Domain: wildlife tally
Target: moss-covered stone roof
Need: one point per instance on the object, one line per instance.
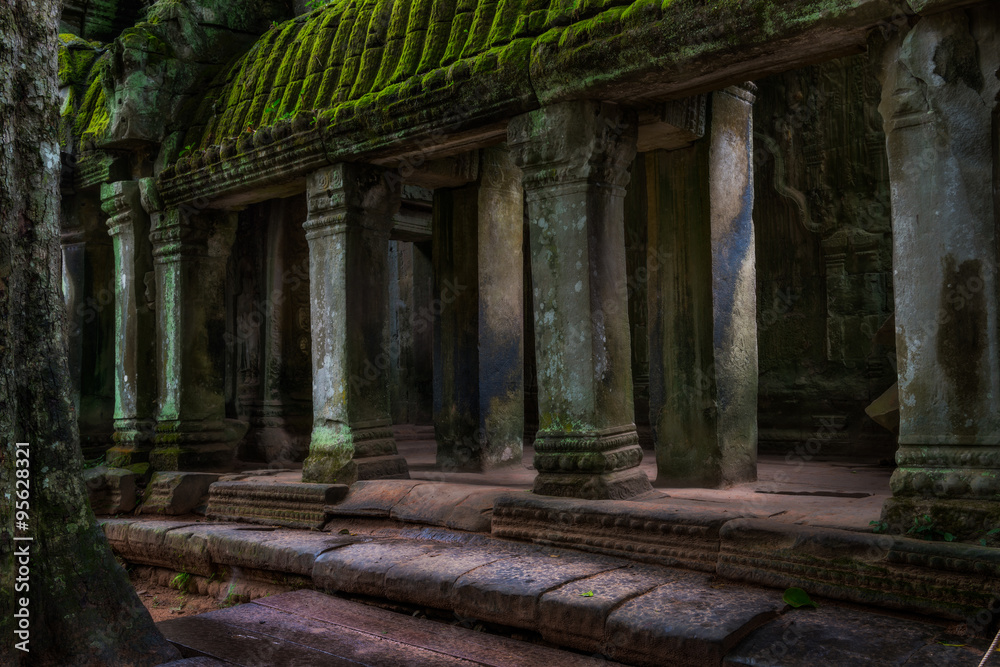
(367, 50)
(375, 72)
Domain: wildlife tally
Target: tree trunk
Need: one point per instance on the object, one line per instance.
(81, 608)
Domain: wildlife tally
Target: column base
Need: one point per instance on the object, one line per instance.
(595, 466)
(468, 457)
(619, 485)
(133, 442)
(195, 446)
(965, 519)
(340, 454)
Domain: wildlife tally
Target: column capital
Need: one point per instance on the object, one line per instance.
(350, 194)
(175, 236)
(580, 142)
(120, 200)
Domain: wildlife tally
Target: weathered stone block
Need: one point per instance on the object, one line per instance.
(937, 578)
(111, 490)
(429, 580)
(508, 591)
(273, 551)
(678, 534)
(575, 614)
(688, 622)
(273, 503)
(362, 568)
(840, 637)
(177, 492)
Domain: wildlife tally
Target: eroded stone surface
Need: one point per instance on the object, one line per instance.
(177, 492)
(273, 551)
(111, 490)
(689, 622)
(362, 568)
(575, 614)
(508, 591)
(843, 638)
(291, 505)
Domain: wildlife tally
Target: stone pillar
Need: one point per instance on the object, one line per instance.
(190, 253)
(939, 89)
(135, 324)
(575, 158)
(702, 302)
(478, 352)
(351, 210)
(88, 291)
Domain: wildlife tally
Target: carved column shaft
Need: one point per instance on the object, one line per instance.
(88, 291)
(478, 355)
(938, 92)
(575, 159)
(135, 324)
(351, 208)
(190, 252)
(702, 302)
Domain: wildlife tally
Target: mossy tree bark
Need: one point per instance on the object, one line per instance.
(82, 610)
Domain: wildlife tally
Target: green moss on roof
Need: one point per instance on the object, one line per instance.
(355, 51)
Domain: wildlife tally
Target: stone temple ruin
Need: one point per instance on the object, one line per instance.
(704, 229)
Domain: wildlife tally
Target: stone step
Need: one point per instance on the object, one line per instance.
(630, 612)
(310, 628)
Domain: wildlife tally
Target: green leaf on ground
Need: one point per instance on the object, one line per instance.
(588, 594)
(796, 597)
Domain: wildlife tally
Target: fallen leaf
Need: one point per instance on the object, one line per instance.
(796, 597)
(588, 594)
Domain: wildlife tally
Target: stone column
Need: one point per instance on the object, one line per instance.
(351, 209)
(575, 158)
(135, 324)
(478, 351)
(702, 302)
(88, 291)
(190, 251)
(939, 89)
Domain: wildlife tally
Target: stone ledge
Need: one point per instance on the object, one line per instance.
(937, 578)
(273, 503)
(675, 535)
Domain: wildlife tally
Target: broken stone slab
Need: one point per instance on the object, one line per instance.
(273, 503)
(688, 622)
(838, 637)
(361, 568)
(507, 591)
(177, 492)
(111, 490)
(574, 615)
(680, 533)
(374, 498)
(945, 579)
(461, 506)
(272, 550)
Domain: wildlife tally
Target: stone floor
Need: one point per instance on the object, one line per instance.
(830, 494)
